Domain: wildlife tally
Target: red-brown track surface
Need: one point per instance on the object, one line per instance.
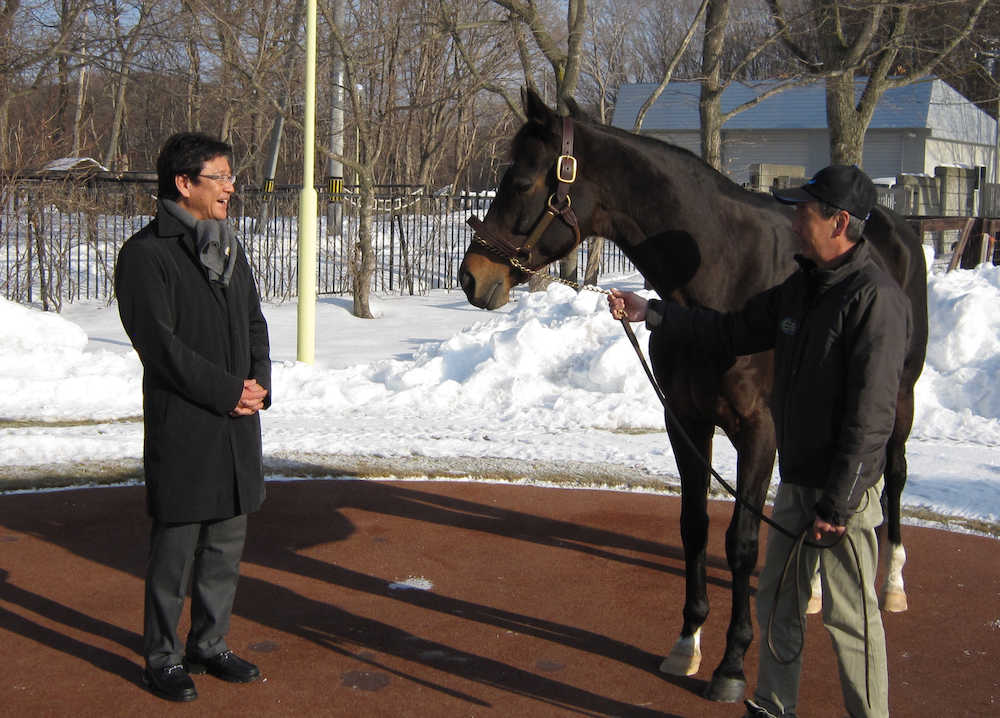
(542, 602)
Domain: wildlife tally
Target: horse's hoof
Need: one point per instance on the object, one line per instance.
(680, 663)
(685, 657)
(815, 604)
(894, 602)
(726, 689)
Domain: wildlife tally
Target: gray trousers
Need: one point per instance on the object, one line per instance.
(846, 597)
(207, 555)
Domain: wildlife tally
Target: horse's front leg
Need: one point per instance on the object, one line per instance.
(684, 658)
(755, 462)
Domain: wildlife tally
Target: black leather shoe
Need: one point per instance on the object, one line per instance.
(226, 665)
(170, 682)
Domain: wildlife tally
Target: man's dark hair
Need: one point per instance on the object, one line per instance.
(855, 226)
(185, 153)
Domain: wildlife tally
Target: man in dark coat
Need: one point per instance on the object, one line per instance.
(840, 329)
(189, 304)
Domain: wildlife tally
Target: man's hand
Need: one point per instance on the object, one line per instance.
(251, 400)
(822, 529)
(627, 305)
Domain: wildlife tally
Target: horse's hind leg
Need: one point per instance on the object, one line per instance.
(893, 592)
(684, 658)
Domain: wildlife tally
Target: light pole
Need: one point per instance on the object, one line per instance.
(306, 335)
(335, 168)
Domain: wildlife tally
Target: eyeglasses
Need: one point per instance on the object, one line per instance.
(225, 179)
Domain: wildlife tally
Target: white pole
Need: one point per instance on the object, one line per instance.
(996, 146)
(307, 204)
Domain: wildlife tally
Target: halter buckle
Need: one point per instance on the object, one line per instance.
(566, 169)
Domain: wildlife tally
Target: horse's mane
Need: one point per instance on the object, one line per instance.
(645, 146)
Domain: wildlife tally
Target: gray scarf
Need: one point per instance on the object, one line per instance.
(213, 238)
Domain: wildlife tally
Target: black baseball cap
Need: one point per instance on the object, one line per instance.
(843, 186)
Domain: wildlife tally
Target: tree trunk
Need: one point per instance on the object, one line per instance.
(710, 101)
(62, 103)
(194, 70)
(569, 267)
(111, 156)
(78, 114)
(539, 282)
(363, 256)
(593, 270)
(5, 139)
(847, 126)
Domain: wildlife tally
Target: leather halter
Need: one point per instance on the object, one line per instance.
(558, 205)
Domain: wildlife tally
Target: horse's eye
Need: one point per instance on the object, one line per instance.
(521, 184)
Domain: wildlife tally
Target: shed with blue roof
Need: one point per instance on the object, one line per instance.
(915, 128)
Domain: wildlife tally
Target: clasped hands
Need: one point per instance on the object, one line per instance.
(251, 400)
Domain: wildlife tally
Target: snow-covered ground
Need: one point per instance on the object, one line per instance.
(550, 378)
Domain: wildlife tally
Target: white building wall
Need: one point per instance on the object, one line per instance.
(742, 149)
(946, 153)
(888, 153)
(953, 117)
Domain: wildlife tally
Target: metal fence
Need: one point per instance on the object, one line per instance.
(59, 238)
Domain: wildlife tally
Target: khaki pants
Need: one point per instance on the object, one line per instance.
(843, 609)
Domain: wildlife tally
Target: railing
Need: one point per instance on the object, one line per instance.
(59, 238)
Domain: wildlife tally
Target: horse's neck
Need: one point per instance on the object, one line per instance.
(687, 229)
(705, 248)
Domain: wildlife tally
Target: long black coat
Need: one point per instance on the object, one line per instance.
(197, 341)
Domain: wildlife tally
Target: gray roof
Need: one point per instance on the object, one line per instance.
(67, 164)
(930, 104)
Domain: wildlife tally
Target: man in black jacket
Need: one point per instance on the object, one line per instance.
(840, 327)
(189, 304)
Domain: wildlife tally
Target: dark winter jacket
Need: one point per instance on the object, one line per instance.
(197, 341)
(840, 336)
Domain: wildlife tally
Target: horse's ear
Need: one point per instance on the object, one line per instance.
(535, 108)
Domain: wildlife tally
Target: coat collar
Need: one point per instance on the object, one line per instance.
(169, 226)
(850, 262)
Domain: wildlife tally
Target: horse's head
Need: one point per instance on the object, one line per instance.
(538, 213)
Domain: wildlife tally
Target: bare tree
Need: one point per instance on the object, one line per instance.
(630, 42)
(370, 47)
(865, 43)
(727, 52)
(973, 68)
(127, 41)
(192, 48)
(564, 61)
(29, 62)
(668, 72)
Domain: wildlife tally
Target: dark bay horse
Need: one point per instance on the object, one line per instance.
(698, 239)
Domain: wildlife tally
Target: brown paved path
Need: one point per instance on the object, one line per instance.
(545, 602)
